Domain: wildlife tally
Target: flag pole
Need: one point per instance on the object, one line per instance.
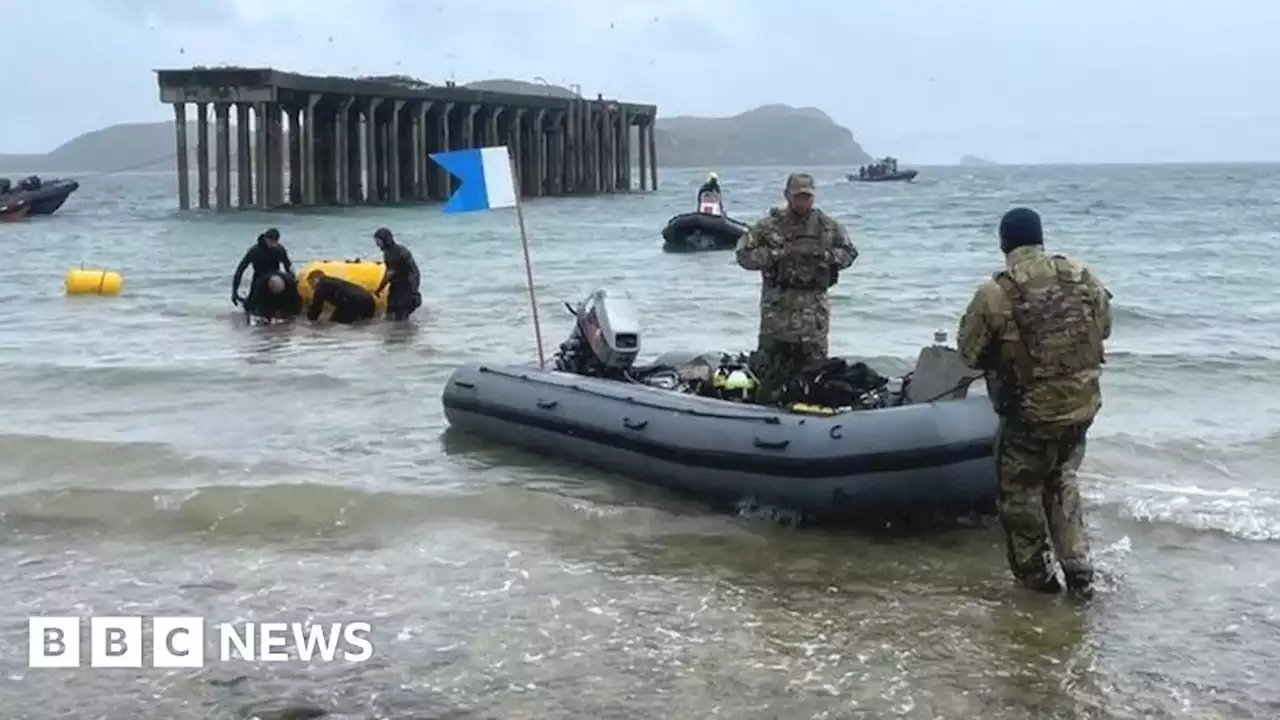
(528, 264)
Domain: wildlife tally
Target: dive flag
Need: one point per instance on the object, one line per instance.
(486, 178)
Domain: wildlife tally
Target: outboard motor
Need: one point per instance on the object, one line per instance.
(605, 340)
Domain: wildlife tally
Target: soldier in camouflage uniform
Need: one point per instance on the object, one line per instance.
(1037, 330)
(799, 252)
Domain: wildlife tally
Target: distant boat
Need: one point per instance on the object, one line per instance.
(900, 176)
(43, 197)
(709, 228)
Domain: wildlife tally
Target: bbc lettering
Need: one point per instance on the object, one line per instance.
(179, 642)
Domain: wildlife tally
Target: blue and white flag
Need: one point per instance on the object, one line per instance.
(486, 178)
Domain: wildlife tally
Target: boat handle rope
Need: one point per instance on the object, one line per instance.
(767, 419)
(966, 382)
(548, 404)
(772, 444)
(630, 424)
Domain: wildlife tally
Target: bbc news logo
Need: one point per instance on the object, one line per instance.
(179, 642)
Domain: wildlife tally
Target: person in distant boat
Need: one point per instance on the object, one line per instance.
(267, 256)
(799, 252)
(279, 298)
(1036, 329)
(351, 303)
(401, 279)
(711, 184)
(710, 199)
(5, 186)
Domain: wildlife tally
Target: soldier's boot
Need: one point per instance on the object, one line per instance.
(1080, 584)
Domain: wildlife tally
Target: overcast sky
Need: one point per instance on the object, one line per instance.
(925, 80)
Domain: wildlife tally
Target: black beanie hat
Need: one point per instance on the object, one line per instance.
(1020, 227)
(271, 234)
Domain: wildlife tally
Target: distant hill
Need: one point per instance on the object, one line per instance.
(974, 161)
(768, 135)
(107, 150)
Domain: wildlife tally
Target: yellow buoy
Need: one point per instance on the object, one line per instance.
(87, 281)
(365, 273)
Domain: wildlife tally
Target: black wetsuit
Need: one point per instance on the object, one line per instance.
(283, 305)
(403, 297)
(265, 260)
(711, 186)
(351, 303)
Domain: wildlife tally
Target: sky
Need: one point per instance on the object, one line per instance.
(1015, 81)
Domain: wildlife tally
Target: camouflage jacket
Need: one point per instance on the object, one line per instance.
(990, 340)
(811, 251)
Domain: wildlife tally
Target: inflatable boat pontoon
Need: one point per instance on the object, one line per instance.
(919, 456)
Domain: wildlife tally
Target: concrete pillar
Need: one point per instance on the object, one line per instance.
(244, 158)
(642, 138)
(321, 167)
(431, 139)
(491, 126)
(260, 154)
(355, 154)
(653, 155)
(555, 153)
(538, 170)
(597, 149)
(381, 187)
(417, 149)
(276, 152)
(579, 148)
(222, 156)
(517, 149)
(393, 150)
(310, 191)
(571, 163)
(294, 192)
(624, 136)
(470, 138)
(371, 151)
(180, 141)
(202, 155)
(425, 143)
(592, 143)
(609, 168)
(341, 152)
(446, 180)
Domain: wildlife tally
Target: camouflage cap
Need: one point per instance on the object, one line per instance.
(801, 184)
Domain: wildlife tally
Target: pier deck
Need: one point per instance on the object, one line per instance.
(366, 141)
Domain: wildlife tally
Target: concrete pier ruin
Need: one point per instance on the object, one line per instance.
(367, 141)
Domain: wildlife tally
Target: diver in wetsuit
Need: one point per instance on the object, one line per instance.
(403, 296)
(278, 298)
(351, 303)
(267, 256)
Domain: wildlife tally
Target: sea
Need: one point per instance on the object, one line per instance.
(158, 457)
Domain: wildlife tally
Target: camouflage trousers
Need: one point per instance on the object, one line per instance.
(1040, 499)
(778, 362)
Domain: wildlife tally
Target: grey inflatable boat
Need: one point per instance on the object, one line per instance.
(925, 456)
